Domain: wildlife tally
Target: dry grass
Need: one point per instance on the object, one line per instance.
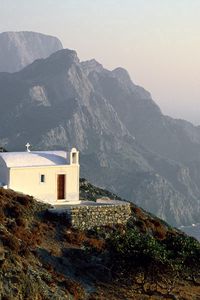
(138, 212)
(74, 237)
(96, 244)
(21, 231)
(80, 238)
(23, 228)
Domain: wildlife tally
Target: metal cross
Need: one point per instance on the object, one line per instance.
(27, 147)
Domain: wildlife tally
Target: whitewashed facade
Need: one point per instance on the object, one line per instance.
(49, 176)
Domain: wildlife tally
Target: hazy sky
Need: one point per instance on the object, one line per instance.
(157, 41)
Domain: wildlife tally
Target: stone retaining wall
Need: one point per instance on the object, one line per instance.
(86, 217)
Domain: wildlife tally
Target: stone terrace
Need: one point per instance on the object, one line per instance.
(88, 214)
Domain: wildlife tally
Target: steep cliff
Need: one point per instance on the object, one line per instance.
(19, 49)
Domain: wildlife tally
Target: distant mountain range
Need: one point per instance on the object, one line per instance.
(127, 145)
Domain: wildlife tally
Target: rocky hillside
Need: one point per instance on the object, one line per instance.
(61, 101)
(19, 49)
(41, 257)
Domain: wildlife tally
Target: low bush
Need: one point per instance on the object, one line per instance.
(184, 249)
(135, 246)
(24, 200)
(74, 288)
(96, 244)
(75, 237)
(10, 242)
(173, 250)
(138, 212)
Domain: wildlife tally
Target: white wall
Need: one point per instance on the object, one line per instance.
(4, 172)
(27, 181)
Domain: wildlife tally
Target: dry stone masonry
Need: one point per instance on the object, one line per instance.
(89, 216)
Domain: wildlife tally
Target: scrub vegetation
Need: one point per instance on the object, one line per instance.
(41, 257)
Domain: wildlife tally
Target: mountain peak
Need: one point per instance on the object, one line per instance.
(19, 49)
(56, 63)
(122, 74)
(92, 66)
(65, 55)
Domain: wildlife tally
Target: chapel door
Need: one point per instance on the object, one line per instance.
(61, 186)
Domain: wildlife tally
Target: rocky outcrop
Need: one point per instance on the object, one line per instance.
(19, 49)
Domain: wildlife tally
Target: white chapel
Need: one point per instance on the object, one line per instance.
(49, 176)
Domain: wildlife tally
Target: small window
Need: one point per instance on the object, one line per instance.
(42, 178)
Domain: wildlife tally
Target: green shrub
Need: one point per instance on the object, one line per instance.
(184, 249)
(178, 252)
(134, 246)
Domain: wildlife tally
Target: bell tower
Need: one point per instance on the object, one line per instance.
(74, 157)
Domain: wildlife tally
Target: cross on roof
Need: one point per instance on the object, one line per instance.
(27, 147)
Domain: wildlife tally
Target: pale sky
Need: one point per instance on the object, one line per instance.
(157, 41)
